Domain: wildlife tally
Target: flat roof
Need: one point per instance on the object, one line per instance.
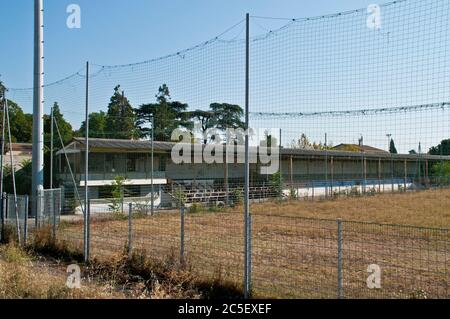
(141, 146)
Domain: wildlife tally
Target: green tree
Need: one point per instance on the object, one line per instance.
(206, 121)
(21, 123)
(64, 128)
(441, 173)
(23, 178)
(442, 149)
(228, 116)
(304, 143)
(2, 90)
(120, 118)
(117, 193)
(97, 126)
(167, 115)
(392, 148)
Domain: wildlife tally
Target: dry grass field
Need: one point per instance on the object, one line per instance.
(23, 275)
(295, 244)
(429, 208)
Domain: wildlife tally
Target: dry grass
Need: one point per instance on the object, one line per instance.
(295, 255)
(426, 209)
(24, 276)
(39, 272)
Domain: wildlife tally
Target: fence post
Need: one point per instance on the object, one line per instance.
(130, 229)
(25, 222)
(182, 233)
(121, 199)
(87, 237)
(54, 215)
(3, 216)
(249, 258)
(340, 259)
(36, 200)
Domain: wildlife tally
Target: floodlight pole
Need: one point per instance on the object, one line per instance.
(247, 231)
(38, 106)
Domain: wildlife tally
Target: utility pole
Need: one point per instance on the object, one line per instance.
(38, 107)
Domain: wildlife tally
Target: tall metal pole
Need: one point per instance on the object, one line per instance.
(152, 211)
(247, 165)
(326, 165)
(51, 148)
(281, 166)
(2, 197)
(38, 106)
(3, 145)
(13, 171)
(86, 171)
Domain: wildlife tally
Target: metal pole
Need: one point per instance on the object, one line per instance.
(87, 248)
(130, 229)
(406, 176)
(152, 168)
(51, 148)
(1, 166)
(3, 144)
(38, 105)
(182, 216)
(25, 221)
(250, 227)
(247, 165)
(340, 261)
(281, 169)
(13, 171)
(326, 167)
(86, 170)
(331, 175)
(3, 216)
(54, 216)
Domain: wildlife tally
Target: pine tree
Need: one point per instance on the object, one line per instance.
(120, 118)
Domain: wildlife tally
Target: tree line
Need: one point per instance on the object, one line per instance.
(122, 121)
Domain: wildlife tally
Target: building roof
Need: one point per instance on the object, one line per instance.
(358, 148)
(145, 146)
(125, 144)
(19, 147)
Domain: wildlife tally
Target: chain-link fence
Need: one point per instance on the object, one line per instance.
(17, 220)
(14, 217)
(357, 104)
(291, 256)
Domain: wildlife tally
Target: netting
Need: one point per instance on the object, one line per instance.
(357, 102)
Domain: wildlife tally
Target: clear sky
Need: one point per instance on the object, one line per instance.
(118, 32)
(319, 65)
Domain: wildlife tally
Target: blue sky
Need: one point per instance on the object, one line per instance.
(314, 66)
(144, 29)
